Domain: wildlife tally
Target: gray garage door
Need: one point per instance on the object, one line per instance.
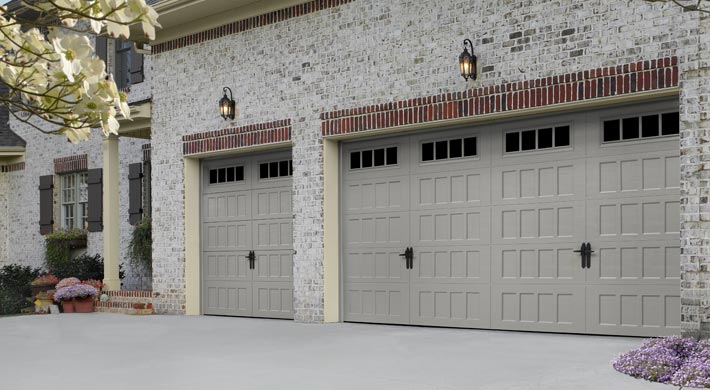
(494, 214)
(246, 210)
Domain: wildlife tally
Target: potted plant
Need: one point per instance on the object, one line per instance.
(68, 302)
(46, 298)
(81, 297)
(97, 284)
(43, 283)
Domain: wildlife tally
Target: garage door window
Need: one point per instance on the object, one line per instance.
(226, 175)
(373, 158)
(449, 149)
(537, 139)
(640, 127)
(274, 169)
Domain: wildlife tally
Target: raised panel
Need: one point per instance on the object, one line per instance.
(469, 264)
(456, 226)
(540, 182)
(553, 222)
(635, 262)
(639, 218)
(538, 264)
(374, 265)
(457, 305)
(538, 307)
(377, 302)
(654, 173)
(385, 229)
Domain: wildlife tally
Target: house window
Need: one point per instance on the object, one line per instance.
(274, 169)
(537, 139)
(449, 149)
(379, 157)
(635, 127)
(226, 175)
(74, 200)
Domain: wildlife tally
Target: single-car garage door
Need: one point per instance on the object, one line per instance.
(563, 224)
(247, 236)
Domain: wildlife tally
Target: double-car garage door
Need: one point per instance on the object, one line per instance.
(478, 227)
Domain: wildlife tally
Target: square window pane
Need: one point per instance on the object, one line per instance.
(528, 140)
(354, 160)
(274, 169)
(649, 126)
(630, 128)
(544, 138)
(379, 157)
(428, 151)
(562, 137)
(366, 158)
(455, 148)
(470, 147)
(290, 167)
(670, 123)
(213, 176)
(391, 156)
(442, 150)
(264, 171)
(222, 174)
(230, 174)
(283, 168)
(238, 173)
(612, 130)
(512, 142)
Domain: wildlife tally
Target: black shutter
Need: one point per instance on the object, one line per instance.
(136, 66)
(46, 204)
(102, 50)
(95, 219)
(135, 193)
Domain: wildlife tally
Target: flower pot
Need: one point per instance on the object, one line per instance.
(84, 305)
(68, 306)
(41, 288)
(77, 243)
(47, 302)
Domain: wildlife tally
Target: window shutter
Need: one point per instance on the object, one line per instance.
(46, 204)
(135, 193)
(96, 200)
(136, 66)
(102, 50)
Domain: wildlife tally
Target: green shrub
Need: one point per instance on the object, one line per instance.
(140, 248)
(83, 267)
(15, 287)
(58, 248)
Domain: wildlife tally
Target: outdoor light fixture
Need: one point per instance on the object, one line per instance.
(227, 105)
(467, 62)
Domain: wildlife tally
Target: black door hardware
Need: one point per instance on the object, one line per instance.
(409, 257)
(252, 259)
(586, 251)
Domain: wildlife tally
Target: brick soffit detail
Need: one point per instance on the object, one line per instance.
(580, 86)
(248, 24)
(71, 164)
(237, 137)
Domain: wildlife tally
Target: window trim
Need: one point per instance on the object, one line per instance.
(640, 139)
(537, 128)
(79, 212)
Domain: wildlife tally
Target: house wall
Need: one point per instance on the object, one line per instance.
(370, 52)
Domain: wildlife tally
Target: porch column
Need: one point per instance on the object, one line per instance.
(110, 217)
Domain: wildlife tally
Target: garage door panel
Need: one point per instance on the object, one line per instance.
(644, 218)
(451, 304)
(537, 223)
(226, 206)
(651, 310)
(373, 265)
(377, 230)
(377, 302)
(634, 175)
(541, 182)
(273, 266)
(273, 299)
(636, 262)
(455, 265)
(537, 264)
(272, 234)
(227, 298)
(272, 203)
(454, 226)
(545, 308)
(454, 188)
(225, 266)
(226, 236)
(388, 194)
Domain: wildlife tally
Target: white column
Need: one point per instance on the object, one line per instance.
(110, 217)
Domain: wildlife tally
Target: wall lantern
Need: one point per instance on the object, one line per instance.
(227, 105)
(467, 62)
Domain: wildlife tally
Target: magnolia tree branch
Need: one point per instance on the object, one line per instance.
(56, 83)
(702, 6)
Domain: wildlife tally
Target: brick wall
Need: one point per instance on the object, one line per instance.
(369, 53)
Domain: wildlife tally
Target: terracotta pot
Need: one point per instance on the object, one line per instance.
(41, 288)
(68, 306)
(84, 305)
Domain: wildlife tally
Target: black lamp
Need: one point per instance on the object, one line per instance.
(467, 61)
(227, 105)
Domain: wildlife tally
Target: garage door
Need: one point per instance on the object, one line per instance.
(484, 227)
(247, 236)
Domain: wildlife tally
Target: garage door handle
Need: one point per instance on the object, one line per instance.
(251, 256)
(583, 251)
(589, 255)
(408, 256)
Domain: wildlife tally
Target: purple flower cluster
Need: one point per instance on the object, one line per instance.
(75, 291)
(673, 360)
(66, 282)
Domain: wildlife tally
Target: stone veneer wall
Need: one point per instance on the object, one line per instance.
(362, 53)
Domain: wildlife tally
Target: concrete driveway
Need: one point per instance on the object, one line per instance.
(108, 351)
